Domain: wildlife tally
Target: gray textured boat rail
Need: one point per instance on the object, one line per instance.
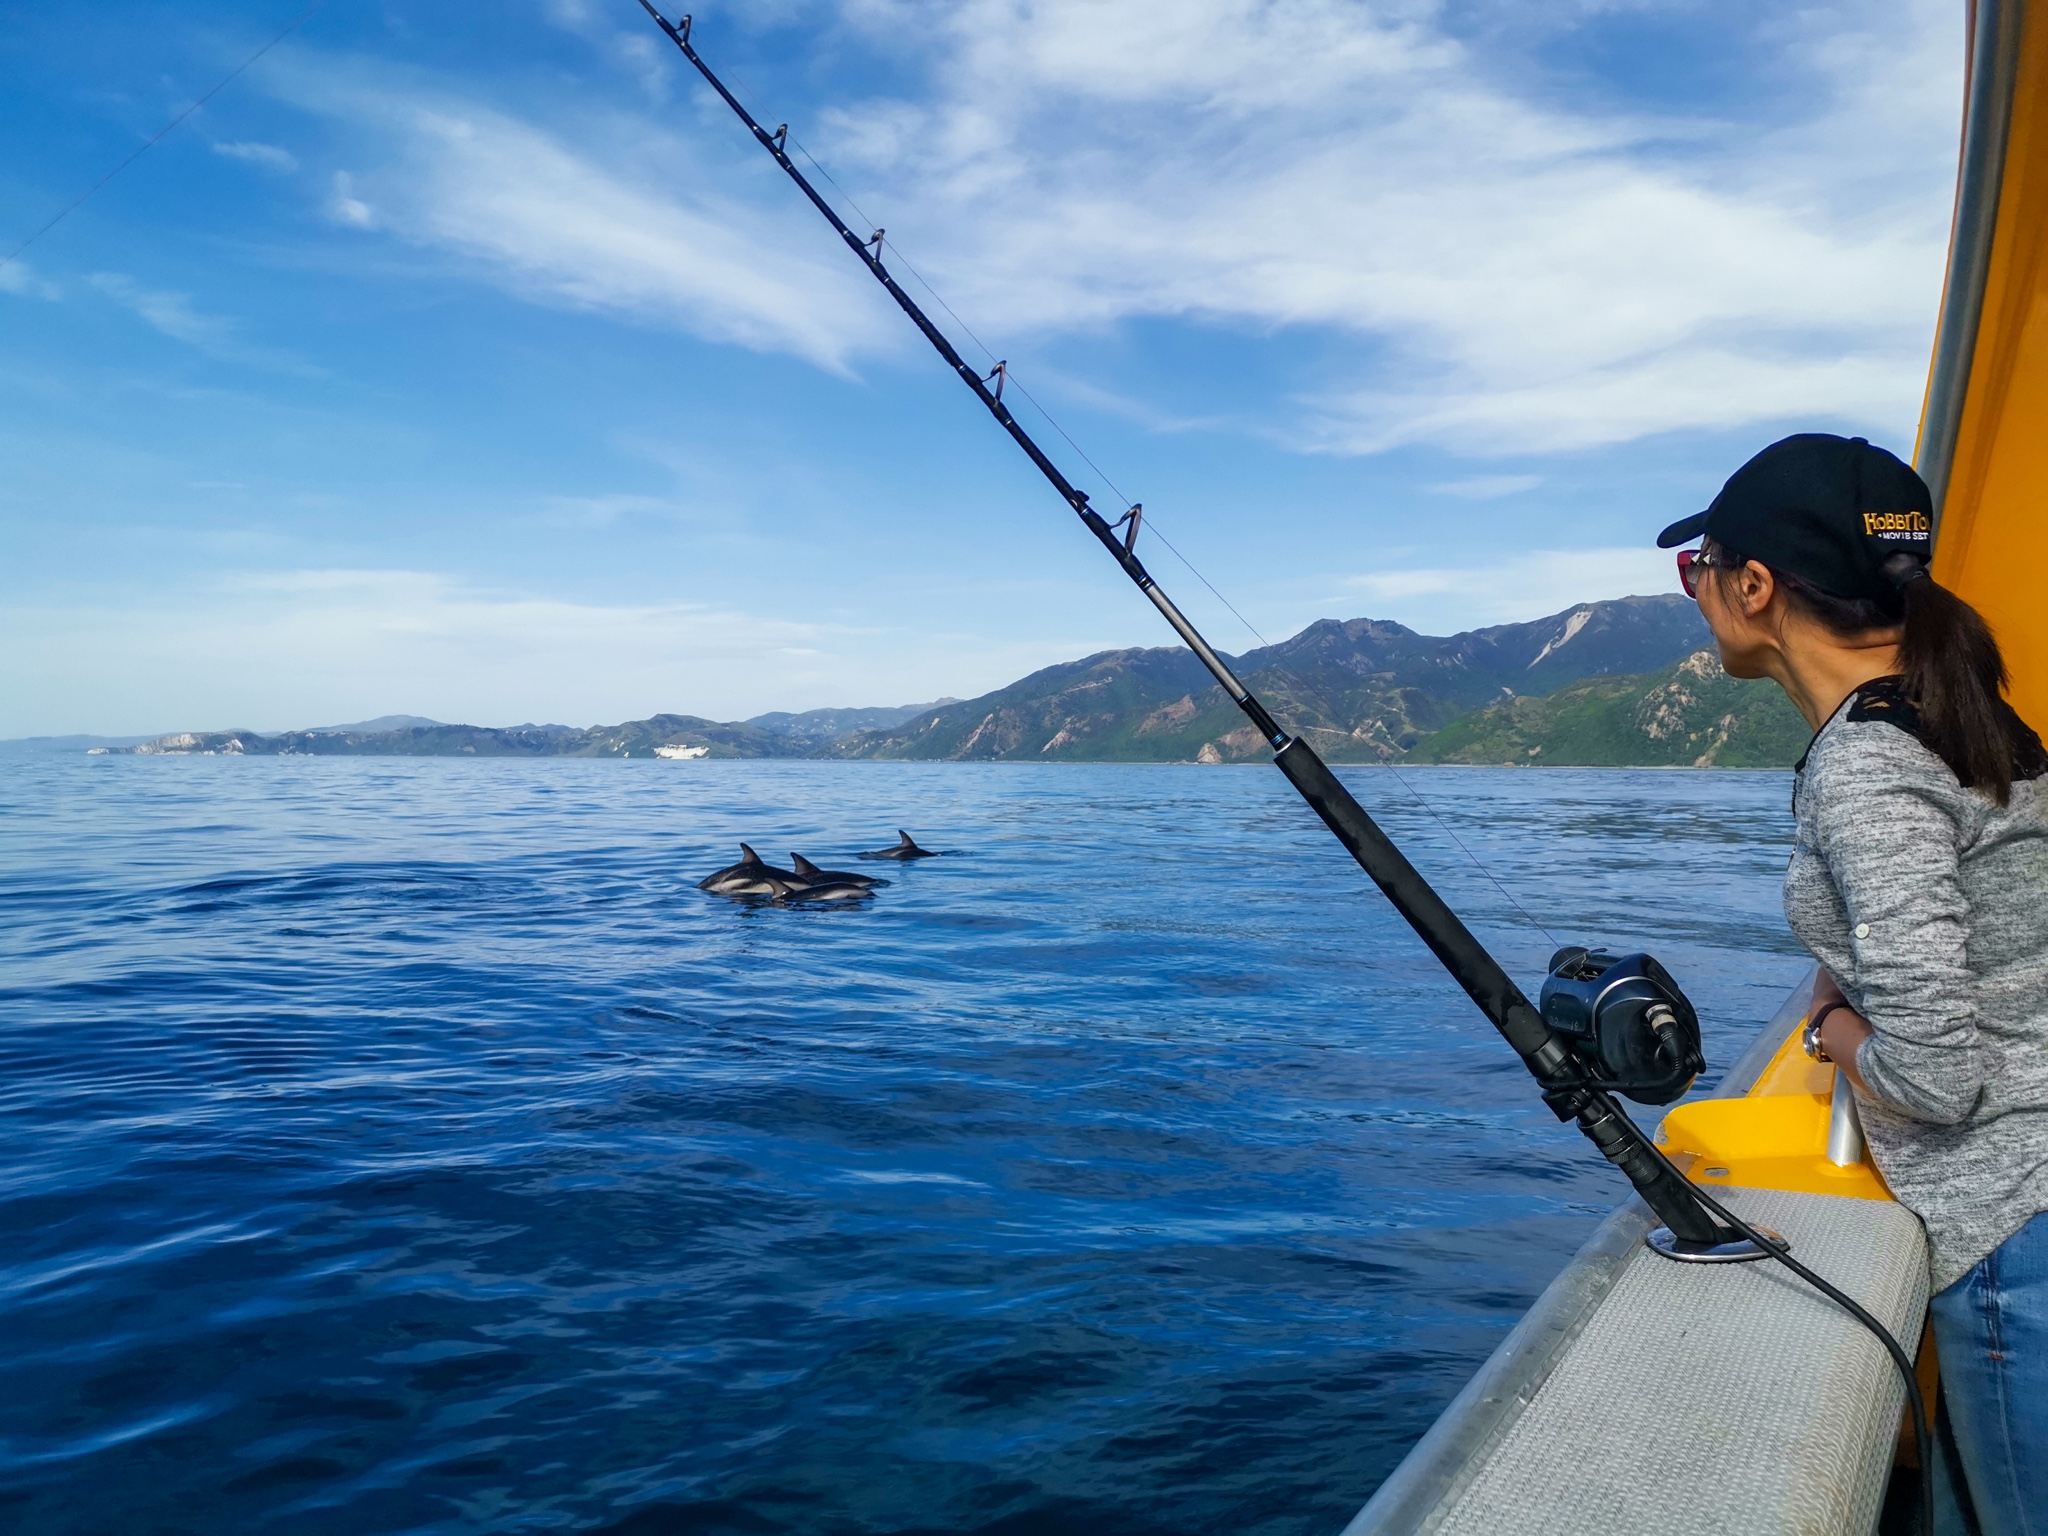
(1639, 1395)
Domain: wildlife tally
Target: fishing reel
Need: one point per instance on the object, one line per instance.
(1626, 1021)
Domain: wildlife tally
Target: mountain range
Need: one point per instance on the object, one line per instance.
(1361, 690)
(777, 734)
(1627, 681)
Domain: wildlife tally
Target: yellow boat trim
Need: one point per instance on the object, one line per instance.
(1774, 1137)
(1993, 528)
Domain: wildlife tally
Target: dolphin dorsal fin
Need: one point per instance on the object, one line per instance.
(751, 856)
(802, 865)
(904, 839)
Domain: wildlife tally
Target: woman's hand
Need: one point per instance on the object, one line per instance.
(1841, 1033)
(1843, 1030)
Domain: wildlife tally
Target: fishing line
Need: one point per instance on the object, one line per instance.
(1151, 523)
(986, 351)
(1024, 389)
(1414, 794)
(1226, 602)
(1021, 387)
(69, 208)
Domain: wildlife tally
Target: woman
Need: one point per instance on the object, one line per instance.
(1919, 880)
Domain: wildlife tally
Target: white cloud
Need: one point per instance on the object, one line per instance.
(619, 223)
(612, 508)
(174, 316)
(1697, 386)
(170, 313)
(344, 207)
(1539, 277)
(269, 156)
(1514, 271)
(1528, 585)
(19, 278)
(272, 650)
(1488, 487)
(639, 50)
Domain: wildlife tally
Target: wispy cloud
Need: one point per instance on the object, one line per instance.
(273, 649)
(1524, 274)
(1538, 277)
(639, 50)
(609, 510)
(269, 156)
(344, 207)
(622, 222)
(1488, 487)
(1527, 585)
(173, 315)
(170, 313)
(20, 279)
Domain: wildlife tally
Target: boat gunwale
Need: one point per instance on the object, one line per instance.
(1452, 1450)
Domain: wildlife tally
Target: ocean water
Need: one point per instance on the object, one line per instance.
(407, 1146)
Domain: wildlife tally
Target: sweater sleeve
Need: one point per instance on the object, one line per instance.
(1887, 827)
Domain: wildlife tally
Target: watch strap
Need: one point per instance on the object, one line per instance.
(1811, 1035)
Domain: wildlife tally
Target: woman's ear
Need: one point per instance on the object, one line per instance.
(1753, 587)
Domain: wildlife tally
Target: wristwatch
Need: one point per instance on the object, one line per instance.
(1810, 1038)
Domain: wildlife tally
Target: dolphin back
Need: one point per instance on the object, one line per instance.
(811, 874)
(825, 891)
(906, 848)
(751, 877)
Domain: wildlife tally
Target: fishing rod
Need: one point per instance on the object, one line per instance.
(1621, 1017)
(1603, 1024)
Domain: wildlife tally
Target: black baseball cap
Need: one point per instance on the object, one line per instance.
(1828, 510)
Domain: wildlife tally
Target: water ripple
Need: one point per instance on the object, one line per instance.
(407, 1146)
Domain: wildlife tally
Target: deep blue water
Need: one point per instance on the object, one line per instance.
(401, 1145)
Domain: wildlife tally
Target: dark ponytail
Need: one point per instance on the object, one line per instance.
(1956, 679)
(1950, 669)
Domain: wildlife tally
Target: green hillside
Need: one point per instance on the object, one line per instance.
(1692, 715)
(1359, 690)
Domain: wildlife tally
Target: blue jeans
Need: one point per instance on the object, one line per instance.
(1991, 1332)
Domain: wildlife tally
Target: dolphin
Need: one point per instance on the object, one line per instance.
(906, 848)
(807, 871)
(749, 877)
(824, 891)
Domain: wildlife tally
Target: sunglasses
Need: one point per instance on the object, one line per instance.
(1692, 561)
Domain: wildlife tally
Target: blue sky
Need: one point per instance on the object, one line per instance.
(469, 361)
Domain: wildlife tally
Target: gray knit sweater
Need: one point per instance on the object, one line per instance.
(1929, 905)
